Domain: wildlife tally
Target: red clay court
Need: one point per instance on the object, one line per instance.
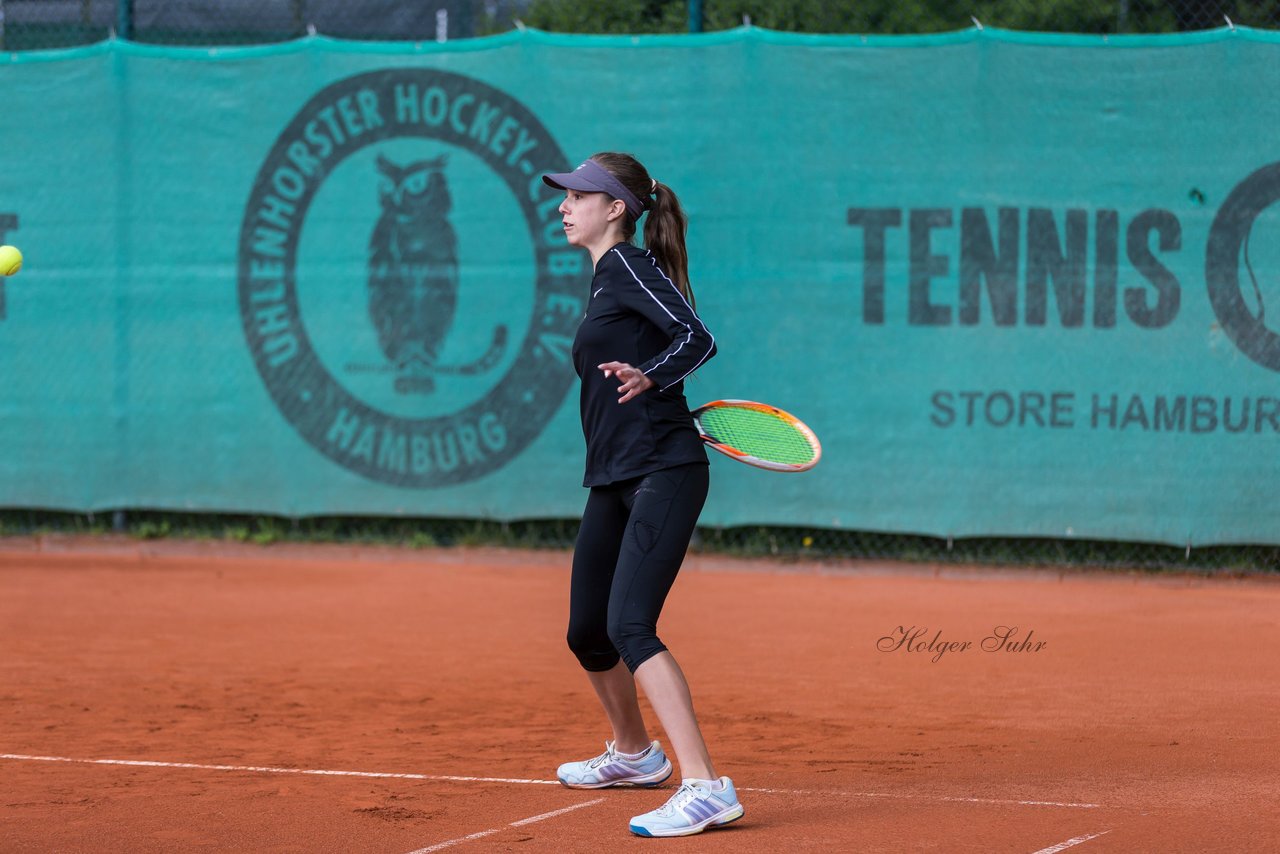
(206, 697)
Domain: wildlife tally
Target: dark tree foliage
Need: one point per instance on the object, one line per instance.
(902, 16)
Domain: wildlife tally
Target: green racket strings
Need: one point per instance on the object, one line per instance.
(757, 433)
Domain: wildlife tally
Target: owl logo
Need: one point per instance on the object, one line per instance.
(413, 275)
(392, 411)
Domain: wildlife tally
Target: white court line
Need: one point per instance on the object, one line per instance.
(267, 769)
(521, 823)
(948, 798)
(1070, 843)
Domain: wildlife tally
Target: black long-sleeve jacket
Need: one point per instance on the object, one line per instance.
(636, 315)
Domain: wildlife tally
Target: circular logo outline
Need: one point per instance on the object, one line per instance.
(1227, 237)
(407, 452)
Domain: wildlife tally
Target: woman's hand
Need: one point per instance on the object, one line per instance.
(634, 382)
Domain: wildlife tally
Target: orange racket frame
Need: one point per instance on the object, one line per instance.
(742, 456)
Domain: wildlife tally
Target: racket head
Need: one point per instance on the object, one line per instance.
(758, 434)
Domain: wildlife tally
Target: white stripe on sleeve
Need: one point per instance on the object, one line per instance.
(688, 329)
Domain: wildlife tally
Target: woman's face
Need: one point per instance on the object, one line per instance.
(587, 217)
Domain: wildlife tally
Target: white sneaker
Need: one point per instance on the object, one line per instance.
(612, 769)
(692, 809)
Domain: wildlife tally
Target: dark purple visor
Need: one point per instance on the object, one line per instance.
(591, 177)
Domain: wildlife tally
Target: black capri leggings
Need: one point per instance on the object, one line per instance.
(633, 539)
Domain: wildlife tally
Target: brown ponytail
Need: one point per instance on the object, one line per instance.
(664, 230)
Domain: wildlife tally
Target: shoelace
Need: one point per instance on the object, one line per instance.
(609, 753)
(602, 758)
(686, 793)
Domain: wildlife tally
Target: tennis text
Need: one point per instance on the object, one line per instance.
(1051, 250)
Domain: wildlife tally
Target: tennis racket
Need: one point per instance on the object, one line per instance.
(758, 434)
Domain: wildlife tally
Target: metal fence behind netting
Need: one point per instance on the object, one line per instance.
(824, 546)
(42, 24)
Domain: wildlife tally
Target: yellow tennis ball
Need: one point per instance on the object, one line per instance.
(10, 260)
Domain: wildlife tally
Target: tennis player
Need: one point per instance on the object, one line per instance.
(648, 475)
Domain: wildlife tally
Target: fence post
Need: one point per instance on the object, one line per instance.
(124, 19)
(695, 16)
